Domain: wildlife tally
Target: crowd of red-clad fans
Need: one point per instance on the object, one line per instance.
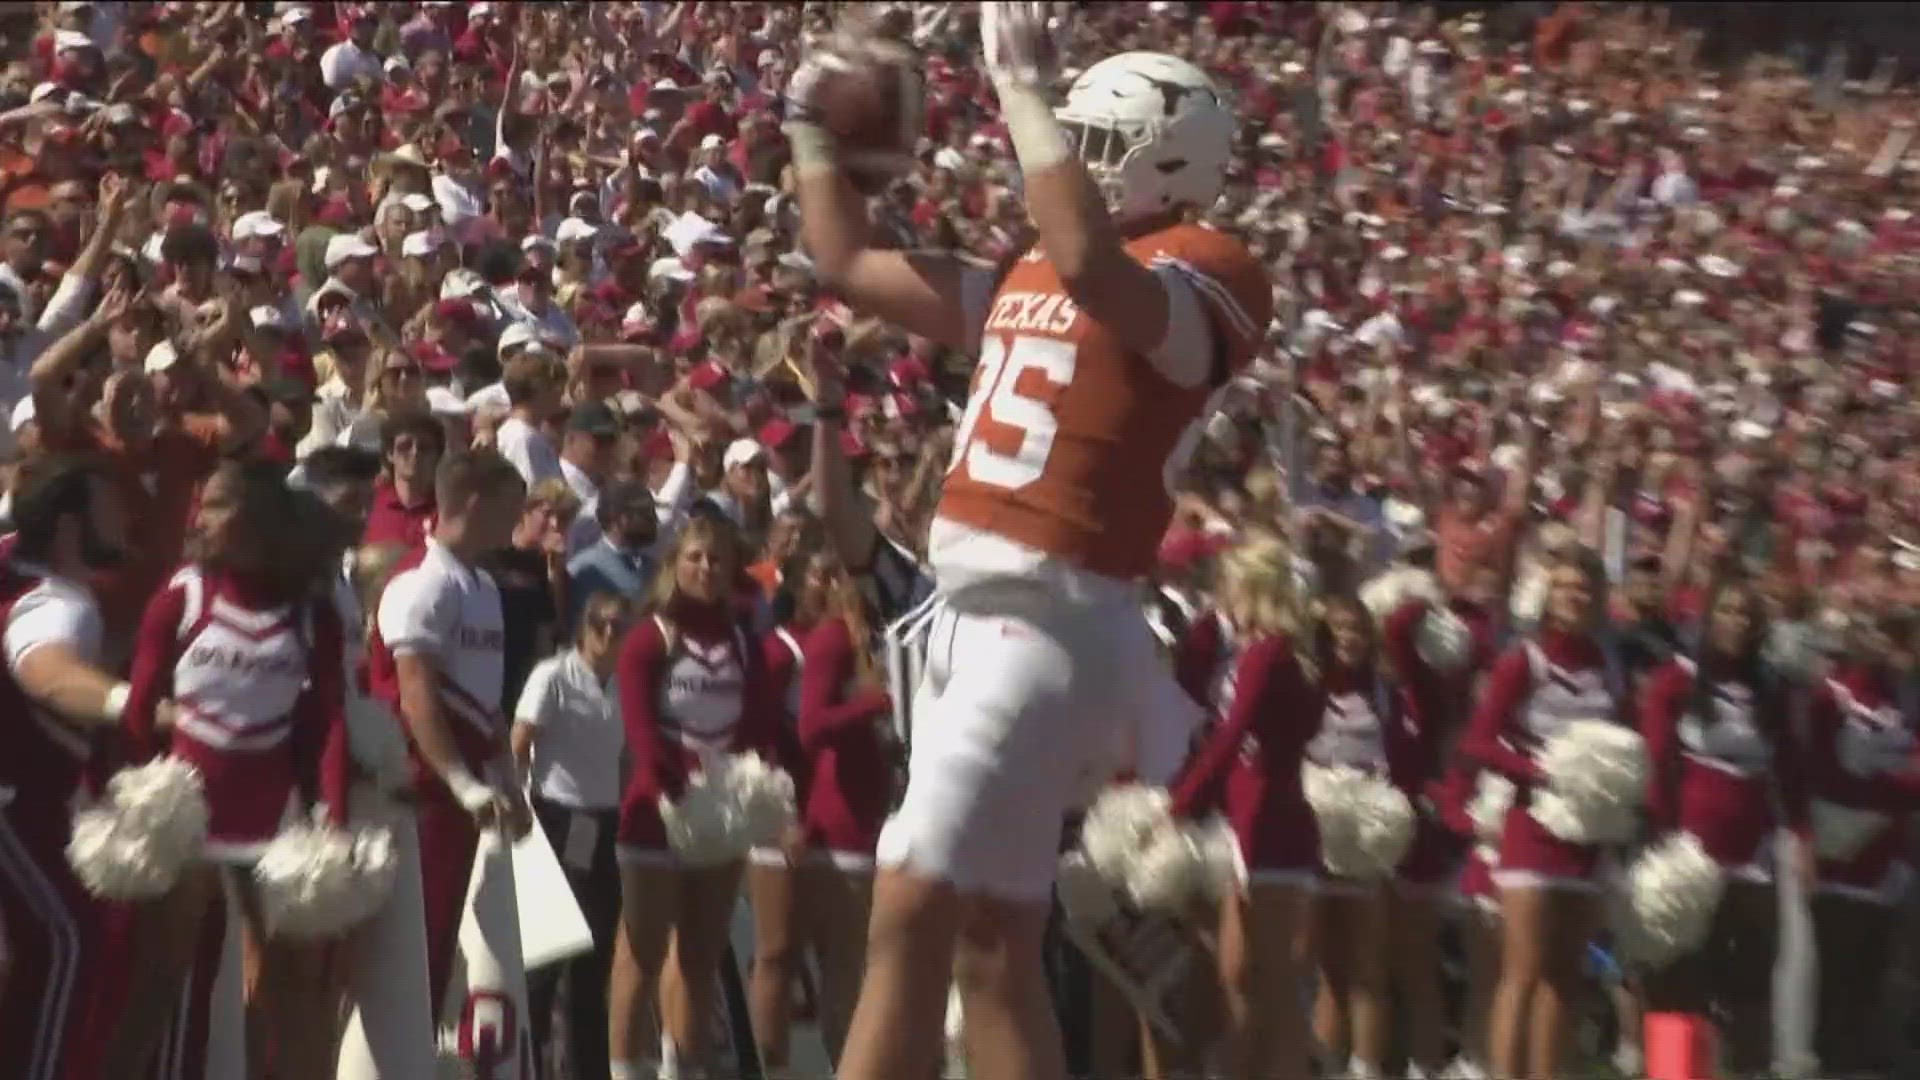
(1543, 279)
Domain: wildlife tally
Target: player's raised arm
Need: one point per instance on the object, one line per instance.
(1140, 139)
(934, 294)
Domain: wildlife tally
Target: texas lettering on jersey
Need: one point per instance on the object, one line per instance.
(1070, 443)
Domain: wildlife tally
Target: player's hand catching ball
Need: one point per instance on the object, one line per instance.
(1017, 45)
(856, 105)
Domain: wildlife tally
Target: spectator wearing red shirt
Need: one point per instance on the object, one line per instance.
(707, 116)
(403, 501)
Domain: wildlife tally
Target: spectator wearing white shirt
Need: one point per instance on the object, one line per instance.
(745, 494)
(535, 387)
(519, 339)
(533, 295)
(586, 450)
(715, 173)
(353, 59)
(341, 401)
(567, 737)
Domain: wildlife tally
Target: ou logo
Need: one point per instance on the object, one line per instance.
(490, 1043)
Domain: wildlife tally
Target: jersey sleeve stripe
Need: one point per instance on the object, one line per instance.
(1222, 299)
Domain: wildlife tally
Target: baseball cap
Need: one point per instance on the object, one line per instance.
(776, 432)
(573, 229)
(256, 223)
(346, 247)
(743, 452)
(712, 142)
(432, 356)
(267, 317)
(593, 418)
(518, 335)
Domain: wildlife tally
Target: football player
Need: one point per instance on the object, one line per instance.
(1099, 351)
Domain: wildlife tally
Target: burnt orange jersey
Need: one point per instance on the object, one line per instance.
(1069, 441)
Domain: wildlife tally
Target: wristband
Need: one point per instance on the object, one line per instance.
(812, 145)
(116, 702)
(471, 794)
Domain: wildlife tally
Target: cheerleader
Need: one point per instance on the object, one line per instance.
(1864, 783)
(1269, 705)
(797, 602)
(1547, 886)
(691, 691)
(1479, 905)
(850, 763)
(1425, 696)
(249, 650)
(1722, 755)
(1350, 918)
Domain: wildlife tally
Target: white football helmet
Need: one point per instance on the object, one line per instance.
(1153, 130)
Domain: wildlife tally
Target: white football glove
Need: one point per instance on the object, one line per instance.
(1017, 45)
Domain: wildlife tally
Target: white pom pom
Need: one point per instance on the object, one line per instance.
(315, 881)
(1084, 895)
(1392, 589)
(703, 826)
(1366, 824)
(1131, 845)
(765, 794)
(729, 807)
(1596, 773)
(1443, 640)
(1223, 871)
(133, 843)
(1839, 832)
(1492, 798)
(1666, 909)
(1119, 824)
(1182, 865)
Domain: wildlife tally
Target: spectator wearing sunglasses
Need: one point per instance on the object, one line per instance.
(568, 740)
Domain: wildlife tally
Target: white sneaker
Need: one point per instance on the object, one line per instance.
(1463, 1068)
(1629, 1061)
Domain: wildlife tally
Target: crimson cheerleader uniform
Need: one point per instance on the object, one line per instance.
(1449, 799)
(258, 700)
(1713, 776)
(1861, 755)
(683, 707)
(1422, 703)
(49, 924)
(1534, 691)
(849, 763)
(1248, 764)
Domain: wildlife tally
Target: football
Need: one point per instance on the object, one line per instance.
(868, 96)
